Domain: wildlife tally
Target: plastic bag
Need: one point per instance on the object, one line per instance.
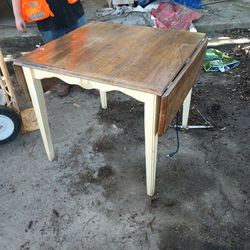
(216, 60)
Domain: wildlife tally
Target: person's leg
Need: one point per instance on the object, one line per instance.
(80, 22)
(48, 36)
(64, 88)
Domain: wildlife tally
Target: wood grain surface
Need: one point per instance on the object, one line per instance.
(134, 57)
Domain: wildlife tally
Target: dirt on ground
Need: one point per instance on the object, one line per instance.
(93, 195)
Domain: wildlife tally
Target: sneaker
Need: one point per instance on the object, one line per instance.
(63, 89)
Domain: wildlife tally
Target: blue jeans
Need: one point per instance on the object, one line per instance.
(54, 34)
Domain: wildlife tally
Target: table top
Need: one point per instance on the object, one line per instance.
(133, 57)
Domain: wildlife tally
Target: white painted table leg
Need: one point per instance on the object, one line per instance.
(103, 97)
(37, 97)
(186, 108)
(151, 113)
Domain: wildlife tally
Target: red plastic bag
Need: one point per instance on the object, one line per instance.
(174, 16)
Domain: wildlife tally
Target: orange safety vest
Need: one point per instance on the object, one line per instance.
(37, 10)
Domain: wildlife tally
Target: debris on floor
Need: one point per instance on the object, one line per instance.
(120, 10)
(158, 15)
(216, 60)
(125, 15)
(174, 16)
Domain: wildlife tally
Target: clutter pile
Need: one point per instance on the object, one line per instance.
(163, 15)
(125, 15)
(174, 16)
(120, 10)
(216, 60)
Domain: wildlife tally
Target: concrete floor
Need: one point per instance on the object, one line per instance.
(92, 196)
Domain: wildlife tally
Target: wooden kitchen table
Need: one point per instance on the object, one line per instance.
(156, 67)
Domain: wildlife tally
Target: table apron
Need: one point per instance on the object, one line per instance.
(89, 84)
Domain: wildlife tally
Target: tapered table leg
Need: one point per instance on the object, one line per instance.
(186, 108)
(151, 112)
(37, 97)
(103, 97)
